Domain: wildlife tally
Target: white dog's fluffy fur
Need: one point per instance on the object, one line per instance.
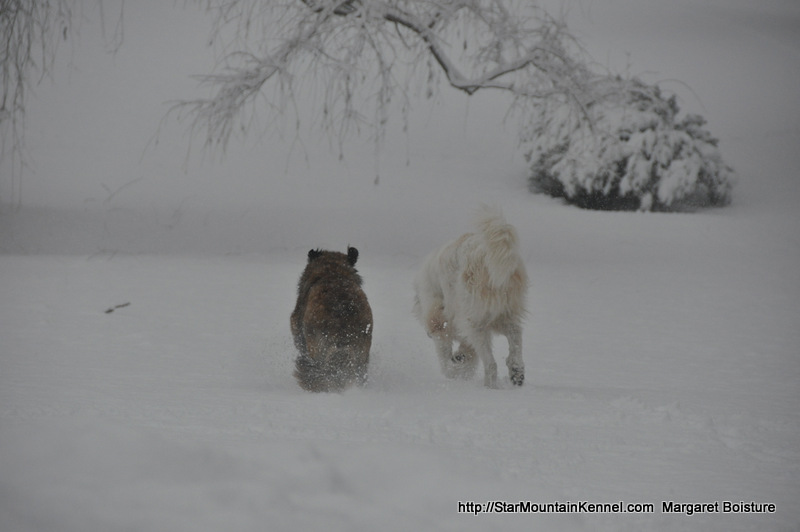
(471, 288)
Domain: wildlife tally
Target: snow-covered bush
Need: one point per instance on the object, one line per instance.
(627, 149)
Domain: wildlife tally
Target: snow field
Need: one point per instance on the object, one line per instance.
(644, 384)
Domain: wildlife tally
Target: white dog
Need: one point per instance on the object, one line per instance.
(469, 289)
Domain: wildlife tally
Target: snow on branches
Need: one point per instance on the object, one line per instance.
(598, 141)
(633, 153)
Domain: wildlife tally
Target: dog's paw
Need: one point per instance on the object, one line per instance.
(462, 364)
(517, 376)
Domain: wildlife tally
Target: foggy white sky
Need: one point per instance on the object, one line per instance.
(91, 129)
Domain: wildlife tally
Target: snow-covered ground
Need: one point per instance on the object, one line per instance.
(663, 351)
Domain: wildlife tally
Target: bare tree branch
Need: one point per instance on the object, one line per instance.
(357, 48)
(30, 31)
(30, 34)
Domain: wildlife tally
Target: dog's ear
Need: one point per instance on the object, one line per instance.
(313, 254)
(352, 255)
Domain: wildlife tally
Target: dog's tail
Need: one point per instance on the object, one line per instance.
(502, 245)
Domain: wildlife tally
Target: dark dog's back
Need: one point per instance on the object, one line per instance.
(331, 323)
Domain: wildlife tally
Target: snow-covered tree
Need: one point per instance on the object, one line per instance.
(599, 141)
(633, 153)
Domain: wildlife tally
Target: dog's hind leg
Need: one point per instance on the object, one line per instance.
(460, 364)
(482, 343)
(464, 361)
(444, 350)
(516, 367)
(439, 330)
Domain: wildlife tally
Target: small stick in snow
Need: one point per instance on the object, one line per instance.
(112, 309)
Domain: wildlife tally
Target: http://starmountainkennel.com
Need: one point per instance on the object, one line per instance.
(331, 323)
(470, 289)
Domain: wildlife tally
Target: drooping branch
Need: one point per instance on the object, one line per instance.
(525, 57)
(31, 32)
(454, 76)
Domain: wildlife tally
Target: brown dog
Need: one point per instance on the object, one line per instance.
(331, 323)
